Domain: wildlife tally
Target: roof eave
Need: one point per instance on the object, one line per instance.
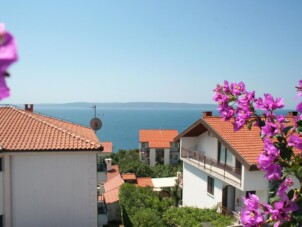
(246, 164)
(185, 132)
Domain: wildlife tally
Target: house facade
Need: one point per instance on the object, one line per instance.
(48, 171)
(219, 165)
(158, 146)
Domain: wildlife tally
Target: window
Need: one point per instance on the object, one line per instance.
(144, 145)
(238, 166)
(224, 156)
(159, 156)
(174, 145)
(1, 219)
(211, 185)
(250, 192)
(1, 168)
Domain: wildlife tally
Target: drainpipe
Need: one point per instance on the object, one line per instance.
(7, 191)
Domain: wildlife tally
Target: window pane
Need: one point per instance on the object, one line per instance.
(211, 185)
(229, 158)
(222, 154)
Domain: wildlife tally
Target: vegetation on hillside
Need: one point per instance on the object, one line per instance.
(129, 162)
(142, 207)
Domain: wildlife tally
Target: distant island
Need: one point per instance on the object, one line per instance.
(128, 105)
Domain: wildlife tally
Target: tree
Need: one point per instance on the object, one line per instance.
(192, 216)
(135, 199)
(278, 159)
(147, 217)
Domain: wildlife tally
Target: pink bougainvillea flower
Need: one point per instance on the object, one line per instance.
(295, 141)
(269, 103)
(8, 55)
(299, 88)
(299, 107)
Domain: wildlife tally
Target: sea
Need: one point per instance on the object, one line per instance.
(121, 124)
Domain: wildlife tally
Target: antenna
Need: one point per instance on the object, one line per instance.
(95, 123)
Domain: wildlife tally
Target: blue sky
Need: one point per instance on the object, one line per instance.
(159, 50)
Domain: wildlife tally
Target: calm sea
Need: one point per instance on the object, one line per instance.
(122, 125)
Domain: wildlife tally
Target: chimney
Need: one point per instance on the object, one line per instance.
(292, 113)
(108, 164)
(29, 107)
(207, 114)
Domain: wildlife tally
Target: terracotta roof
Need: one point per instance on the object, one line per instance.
(112, 196)
(128, 176)
(157, 138)
(22, 130)
(245, 144)
(107, 147)
(113, 183)
(113, 172)
(144, 182)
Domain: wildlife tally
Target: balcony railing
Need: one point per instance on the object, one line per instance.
(208, 163)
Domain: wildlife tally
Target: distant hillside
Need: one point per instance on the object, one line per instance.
(140, 105)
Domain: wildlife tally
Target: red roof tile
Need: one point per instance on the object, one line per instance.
(246, 143)
(22, 130)
(107, 147)
(113, 183)
(128, 176)
(144, 182)
(157, 138)
(113, 172)
(112, 196)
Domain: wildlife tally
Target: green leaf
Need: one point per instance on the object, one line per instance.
(299, 129)
(290, 194)
(299, 123)
(274, 199)
(286, 129)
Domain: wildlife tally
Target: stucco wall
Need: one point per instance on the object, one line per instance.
(188, 142)
(167, 156)
(54, 190)
(203, 143)
(253, 180)
(152, 157)
(1, 193)
(207, 144)
(195, 188)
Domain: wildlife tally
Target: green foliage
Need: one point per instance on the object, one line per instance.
(134, 199)
(165, 170)
(146, 218)
(189, 216)
(129, 162)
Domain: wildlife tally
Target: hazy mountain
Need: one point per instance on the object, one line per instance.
(151, 105)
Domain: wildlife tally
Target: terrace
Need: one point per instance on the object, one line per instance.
(224, 172)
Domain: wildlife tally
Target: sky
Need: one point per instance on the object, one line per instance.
(152, 51)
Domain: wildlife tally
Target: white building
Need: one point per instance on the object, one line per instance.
(48, 171)
(158, 147)
(219, 165)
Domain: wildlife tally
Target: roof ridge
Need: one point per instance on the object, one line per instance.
(52, 125)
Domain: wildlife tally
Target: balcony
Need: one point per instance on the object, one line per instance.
(224, 172)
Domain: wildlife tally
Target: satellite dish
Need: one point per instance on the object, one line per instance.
(95, 123)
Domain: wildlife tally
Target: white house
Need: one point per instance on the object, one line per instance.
(48, 173)
(219, 165)
(158, 147)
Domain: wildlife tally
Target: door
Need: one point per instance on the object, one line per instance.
(228, 197)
